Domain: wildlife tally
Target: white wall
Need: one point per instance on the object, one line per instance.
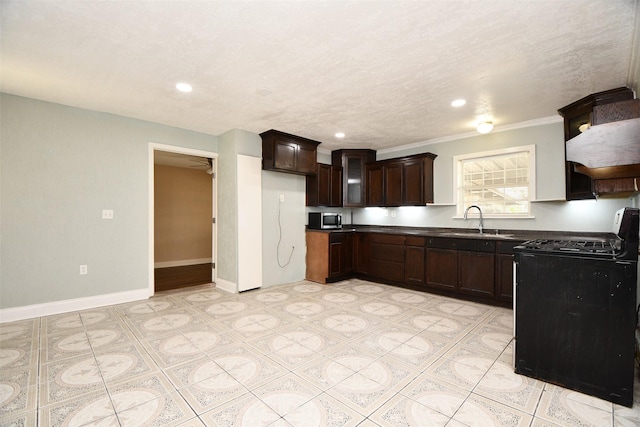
(60, 167)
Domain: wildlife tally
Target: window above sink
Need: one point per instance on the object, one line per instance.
(500, 182)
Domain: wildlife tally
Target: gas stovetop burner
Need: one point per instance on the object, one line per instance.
(592, 247)
(623, 245)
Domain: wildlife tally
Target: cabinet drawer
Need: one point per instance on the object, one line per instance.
(475, 245)
(415, 241)
(336, 237)
(392, 239)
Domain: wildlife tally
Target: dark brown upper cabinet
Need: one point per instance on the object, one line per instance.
(325, 188)
(579, 115)
(353, 164)
(283, 152)
(405, 181)
(375, 184)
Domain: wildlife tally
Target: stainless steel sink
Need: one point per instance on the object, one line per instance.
(477, 235)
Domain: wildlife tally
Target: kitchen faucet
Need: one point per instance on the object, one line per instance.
(466, 211)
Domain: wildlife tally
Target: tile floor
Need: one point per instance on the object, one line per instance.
(348, 354)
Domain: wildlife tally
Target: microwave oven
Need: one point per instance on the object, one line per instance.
(325, 220)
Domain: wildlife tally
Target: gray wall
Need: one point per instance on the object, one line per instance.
(290, 233)
(60, 167)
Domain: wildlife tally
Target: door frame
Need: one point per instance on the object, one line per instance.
(153, 147)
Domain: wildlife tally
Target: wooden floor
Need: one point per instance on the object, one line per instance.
(181, 277)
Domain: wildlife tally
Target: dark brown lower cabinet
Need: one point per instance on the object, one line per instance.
(478, 269)
(504, 276)
(476, 273)
(329, 256)
(340, 255)
(336, 249)
(361, 253)
(504, 270)
(442, 268)
(386, 260)
(415, 256)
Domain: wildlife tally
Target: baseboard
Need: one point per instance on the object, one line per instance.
(57, 307)
(225, 285)
(182, 262)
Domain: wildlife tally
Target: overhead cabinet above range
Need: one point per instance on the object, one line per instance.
(283, 152)
(602, 142)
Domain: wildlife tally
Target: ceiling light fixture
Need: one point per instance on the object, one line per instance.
(458, 103)
(339, 135)
(584, 127)
(485, 127)
(184, 87)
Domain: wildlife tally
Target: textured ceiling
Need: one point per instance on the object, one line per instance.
(382, 72)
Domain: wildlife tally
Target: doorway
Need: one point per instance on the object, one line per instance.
(182, 211)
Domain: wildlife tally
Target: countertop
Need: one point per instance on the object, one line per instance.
(466, 233)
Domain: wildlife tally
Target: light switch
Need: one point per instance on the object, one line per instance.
(107, 214)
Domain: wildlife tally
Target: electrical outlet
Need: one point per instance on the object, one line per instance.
(386, 212)
(107, 214)
(393, 213)
(83, 269)
(282, 198)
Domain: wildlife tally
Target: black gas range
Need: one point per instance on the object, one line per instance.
(575, 311)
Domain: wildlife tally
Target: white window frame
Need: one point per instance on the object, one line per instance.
(457, 179)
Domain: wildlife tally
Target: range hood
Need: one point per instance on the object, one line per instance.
(610, 147)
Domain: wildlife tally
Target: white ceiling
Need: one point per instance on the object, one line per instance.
(383, 72)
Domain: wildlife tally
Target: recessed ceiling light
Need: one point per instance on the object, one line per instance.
(458, 102)
(184, 87)
(339, 135)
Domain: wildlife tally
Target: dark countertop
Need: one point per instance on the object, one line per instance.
(466, 233)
